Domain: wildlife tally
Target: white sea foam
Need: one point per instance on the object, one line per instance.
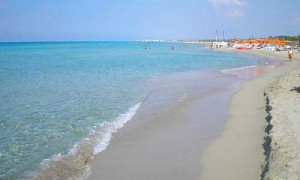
(112, 127)
(237, 68)
(96, 142)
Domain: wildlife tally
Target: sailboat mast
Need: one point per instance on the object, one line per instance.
(217, 36)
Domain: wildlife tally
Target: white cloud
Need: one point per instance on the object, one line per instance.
(229, 2)
(233, 8)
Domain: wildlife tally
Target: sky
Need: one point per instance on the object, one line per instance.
(118, 20)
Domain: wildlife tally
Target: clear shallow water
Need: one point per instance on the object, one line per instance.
(54, 94)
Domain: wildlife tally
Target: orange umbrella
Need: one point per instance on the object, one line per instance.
(251, 41)
(260, 40)
(232, 41)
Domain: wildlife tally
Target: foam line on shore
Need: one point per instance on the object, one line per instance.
(237, 68)
(112, 127)
(74, 165)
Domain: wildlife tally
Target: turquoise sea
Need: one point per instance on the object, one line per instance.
(55, 94)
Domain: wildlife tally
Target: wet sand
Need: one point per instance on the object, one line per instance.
(166, 138)
(238, 152)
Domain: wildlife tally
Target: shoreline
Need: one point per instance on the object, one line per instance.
(78, 160)
(154, 147)
(238, 151)
(167, 136)
(168, 131)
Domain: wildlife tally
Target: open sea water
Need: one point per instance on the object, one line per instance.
(55, 94)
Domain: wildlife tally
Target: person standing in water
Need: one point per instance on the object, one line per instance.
(290, 54)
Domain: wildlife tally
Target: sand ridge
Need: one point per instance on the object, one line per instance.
(284, 160)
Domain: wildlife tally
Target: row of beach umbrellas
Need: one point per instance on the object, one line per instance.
(261, 41)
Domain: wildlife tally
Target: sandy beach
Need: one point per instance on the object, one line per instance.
(284, 104)
(238, 152)
(167, 137)
(168, 142)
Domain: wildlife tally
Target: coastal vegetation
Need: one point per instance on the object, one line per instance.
(290, 38)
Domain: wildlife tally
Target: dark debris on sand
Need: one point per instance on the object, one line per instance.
(297, 89)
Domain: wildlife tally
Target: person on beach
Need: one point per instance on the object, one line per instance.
(290, 54)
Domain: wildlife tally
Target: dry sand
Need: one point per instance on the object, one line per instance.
(284, 102)
(238, 152)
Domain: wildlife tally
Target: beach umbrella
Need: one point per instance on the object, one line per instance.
(280, 42)
(265, 40)
(276, 41)
(251, 41)
(260, 40)
(287, 42)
